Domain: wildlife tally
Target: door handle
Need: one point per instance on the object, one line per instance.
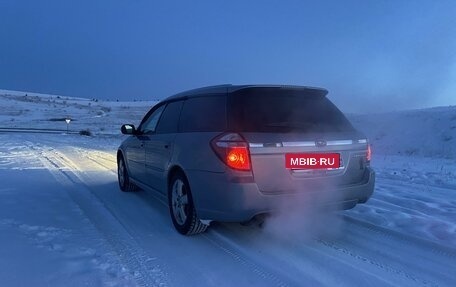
(166, 145)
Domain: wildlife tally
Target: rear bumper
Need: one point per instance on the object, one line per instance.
(216, 198)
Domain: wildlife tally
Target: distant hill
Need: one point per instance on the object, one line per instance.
(427, 132)
(31, 110)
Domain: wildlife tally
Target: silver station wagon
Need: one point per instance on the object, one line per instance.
(234, 153)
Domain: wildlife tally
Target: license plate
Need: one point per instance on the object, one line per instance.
(312, 160)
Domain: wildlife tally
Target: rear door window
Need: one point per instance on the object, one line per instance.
(204, 114)
(170, 118)
(282, 110)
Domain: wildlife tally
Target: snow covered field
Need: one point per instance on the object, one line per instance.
(64, 222)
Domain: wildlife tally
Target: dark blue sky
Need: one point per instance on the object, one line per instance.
(372, 55)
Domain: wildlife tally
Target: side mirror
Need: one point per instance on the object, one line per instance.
(128, 129)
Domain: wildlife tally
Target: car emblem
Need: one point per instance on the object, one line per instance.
(320, 143)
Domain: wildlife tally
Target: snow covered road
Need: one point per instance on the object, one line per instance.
(64, 222)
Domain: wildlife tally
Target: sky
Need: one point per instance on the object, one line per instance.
(372, 56)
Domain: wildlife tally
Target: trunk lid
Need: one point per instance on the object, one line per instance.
(268, 150)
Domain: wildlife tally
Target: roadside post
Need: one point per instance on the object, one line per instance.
(68, 120)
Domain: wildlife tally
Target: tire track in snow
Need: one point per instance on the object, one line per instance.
(305, 261)
(395, 183)
(417, 274)
(257, 269)
(362, 250)
(405, 239)
(378, 264)
(144, 270)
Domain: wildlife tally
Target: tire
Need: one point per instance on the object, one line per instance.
(181, 207)
(123, 178)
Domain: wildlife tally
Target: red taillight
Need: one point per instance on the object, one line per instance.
(369, 153)
(238, 158)
(232, 149)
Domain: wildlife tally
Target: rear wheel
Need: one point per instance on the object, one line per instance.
(123, 177)
(181, 208)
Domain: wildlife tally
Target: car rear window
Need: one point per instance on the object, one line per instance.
(204, 114)
(285, 110)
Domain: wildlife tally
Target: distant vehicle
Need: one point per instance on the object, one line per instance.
(231, 153)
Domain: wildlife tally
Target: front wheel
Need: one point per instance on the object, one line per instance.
(181, 208)
(122, 175)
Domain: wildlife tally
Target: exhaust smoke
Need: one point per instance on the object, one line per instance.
(305, 217)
